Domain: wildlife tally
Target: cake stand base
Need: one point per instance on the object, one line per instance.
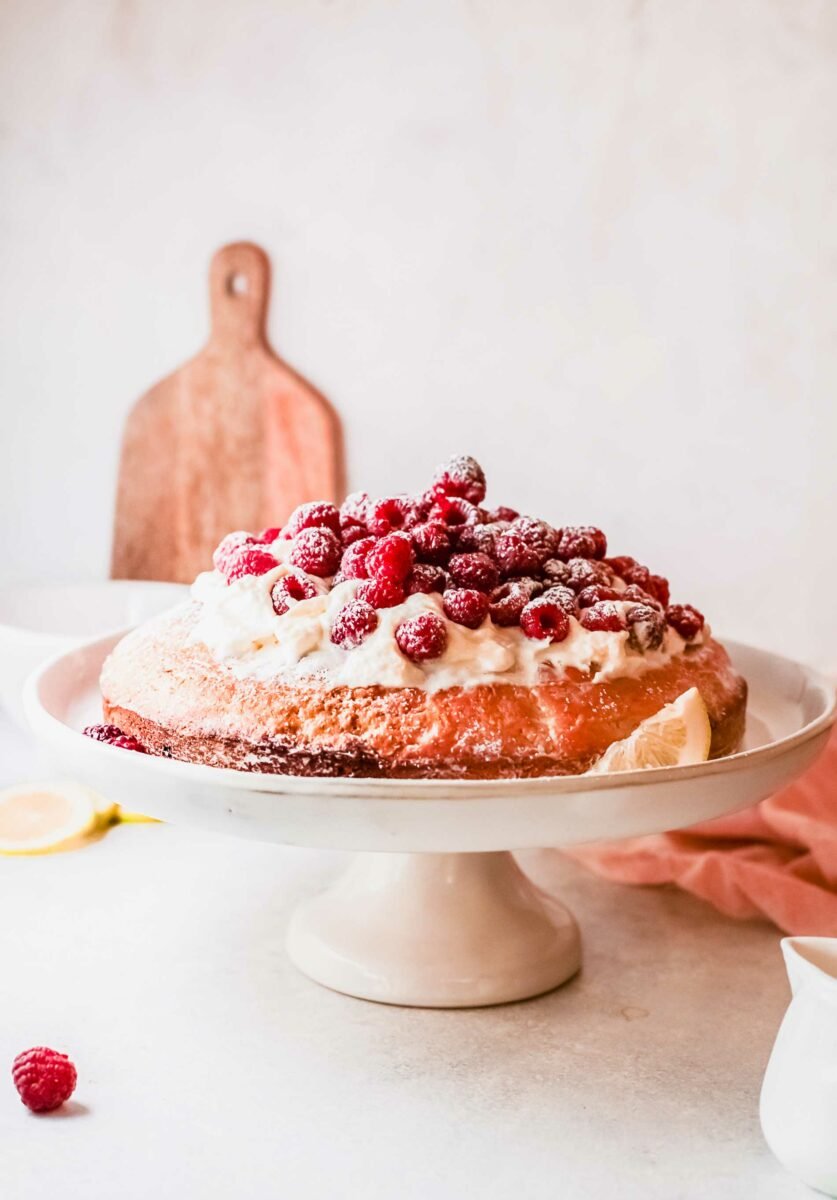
(435, 931)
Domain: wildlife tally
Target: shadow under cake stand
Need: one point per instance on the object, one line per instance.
(435, 911)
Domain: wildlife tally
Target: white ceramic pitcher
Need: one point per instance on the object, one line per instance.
(799, 1093)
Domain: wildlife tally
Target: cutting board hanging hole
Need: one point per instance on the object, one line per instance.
(239, 286)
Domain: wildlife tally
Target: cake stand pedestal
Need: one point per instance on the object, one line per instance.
(437, 912)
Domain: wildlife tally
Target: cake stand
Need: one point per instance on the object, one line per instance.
(435, 910)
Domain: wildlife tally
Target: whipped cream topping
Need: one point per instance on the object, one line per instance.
(236, 622)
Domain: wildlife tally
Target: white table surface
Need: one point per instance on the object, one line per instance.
(209, 1068)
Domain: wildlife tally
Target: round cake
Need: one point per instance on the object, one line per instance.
(415, 637)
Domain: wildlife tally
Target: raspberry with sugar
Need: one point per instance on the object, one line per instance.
(391, 557)
(351, 532)
(249, 560)
(317, 514)
(509, 600)
(426, 578)
(515, 556)
(455, 510)
(646, 627)
(465, 606)
(355, 508)
(353, 562)
(659, 589)
(555, 570)
(268, 535)
(112, 735)
(392, 512)
(229, 547)
(431, 542)
(543, 619)
(353, 624)
(460, 476)
(587, 572)
(44, 1078)
(474, 571)
(481, 539)
(685, 619)
(288, 589)
(604, 615)
(316, 551)
(381, 593)
(564, 597)
(503, 513)
(422, 637)
(632, 592)
(595, 592)
(581, 541)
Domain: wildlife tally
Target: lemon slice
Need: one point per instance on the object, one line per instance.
(37, 818)
(677, 736)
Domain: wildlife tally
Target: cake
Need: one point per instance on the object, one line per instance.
(415, 637)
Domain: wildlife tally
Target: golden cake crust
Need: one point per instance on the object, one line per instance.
(181, 703)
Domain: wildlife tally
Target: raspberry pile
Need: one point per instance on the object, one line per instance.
(486, 563)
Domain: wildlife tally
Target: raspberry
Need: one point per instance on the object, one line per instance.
(44, 1078)
(659, 589)
(564, 597)
(268, 535)
(393, 512)
(316, 551)
(502, 513)
(391, 557)
(604, 615)
(509, 600)
(595, 592)
(381, 593)
(581, 541)
(353, 624)
(460, 476)
(248, 561)
(431, 542)
(474, 571)
(632, 592)
(537, 533)
(465, 606)
(425, 578)
(556, 571)
(422, 637)
(112, 735)
(351, 532)
(228, 548)
(685, 619)
(353, 562)
(515, 556)
(543, 618)
(288, 589)
(585, 572)
(646, 627)
(455, 510)
(631, 571)
(315, 515)
(479, 539)
(354, 508)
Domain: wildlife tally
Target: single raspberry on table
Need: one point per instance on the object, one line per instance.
(474, 571)
(581, 541)
(542, 618)
(685, 619)
(249, 560)
(509, 600)
(44, 1078)
(646, 627)
(353, 624)
(595, 592)
(353, 562)
(316, 551)
(390, 513)
(316, 514)
(381, 593)
(112, 735)
(290, 588)
(426, 578)
(423, 637)
(603, 616)
(460, 476)
(431, 542)
(391, 557)
(465, 606)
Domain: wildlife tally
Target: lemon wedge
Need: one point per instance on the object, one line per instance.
(37, 818)
(677, 736)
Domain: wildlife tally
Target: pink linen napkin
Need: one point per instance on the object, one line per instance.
(777, 860)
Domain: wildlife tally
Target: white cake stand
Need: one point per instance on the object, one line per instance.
(439, 914)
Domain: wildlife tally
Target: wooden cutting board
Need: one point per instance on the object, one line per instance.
(235, 439)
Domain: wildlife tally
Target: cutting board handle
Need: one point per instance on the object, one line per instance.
(239, 290)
